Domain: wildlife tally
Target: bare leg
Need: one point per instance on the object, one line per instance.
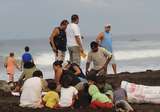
(114, 67)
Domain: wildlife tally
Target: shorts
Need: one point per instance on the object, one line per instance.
(60, 56)
(98, 104)
(113, 59)
(74, 53)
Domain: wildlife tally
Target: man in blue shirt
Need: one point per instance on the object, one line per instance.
(104, 39)
(26, 57)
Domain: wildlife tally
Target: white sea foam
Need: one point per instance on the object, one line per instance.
(47, 59)
(137, 54)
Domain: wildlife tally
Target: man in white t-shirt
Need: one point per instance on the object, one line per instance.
(74, 41)
(32, 91)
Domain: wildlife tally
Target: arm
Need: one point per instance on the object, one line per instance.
(32, 59)
(16, 64)
(5, 62)
(21, 77)
(75, 97)
(89, 60)
(78, 40)
(55, 32)
(44, 85)
(45, 98)
(100, 37)
(78, 37)
(22, 63)
(87, 67)
(77, 70)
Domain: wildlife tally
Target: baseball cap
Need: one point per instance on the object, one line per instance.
(108, 25)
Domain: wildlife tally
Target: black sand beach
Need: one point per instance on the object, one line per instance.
(9, 103)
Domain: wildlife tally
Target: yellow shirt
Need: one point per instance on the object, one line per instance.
(51, 99)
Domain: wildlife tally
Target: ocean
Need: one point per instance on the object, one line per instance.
(132, 53)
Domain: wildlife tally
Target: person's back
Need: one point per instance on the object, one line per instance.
(11, 64)
(67, 92)
(74, 42)
(120, 99)
(120, 94)
(96, 95)
(71, 68)
(107, 41)
(26, 57)
(72, 31)
(51, 99)
(32, 91)
(99, 100)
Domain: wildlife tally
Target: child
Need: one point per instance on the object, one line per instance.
(51, 99)
(120, 99)
(104, 87)
(99, 100)
(10, 66)
(84, 97)
(68, 93)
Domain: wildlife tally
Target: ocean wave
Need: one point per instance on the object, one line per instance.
(137, 54)
(48, 58)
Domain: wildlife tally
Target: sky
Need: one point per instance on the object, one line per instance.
(37, 18)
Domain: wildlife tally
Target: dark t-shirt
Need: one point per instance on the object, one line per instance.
(73, 71)
(75, 79)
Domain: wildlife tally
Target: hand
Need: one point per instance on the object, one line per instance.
(20, 68)
(55, 50)
(81, 49)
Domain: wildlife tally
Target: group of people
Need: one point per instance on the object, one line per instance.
(68, 35)
(25, 63)
(71, 87)
(73, 90)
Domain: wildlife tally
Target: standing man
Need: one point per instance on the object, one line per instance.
(104, 39)
(26, 57)
(74, 40)
(58, 41)
(100, 58)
